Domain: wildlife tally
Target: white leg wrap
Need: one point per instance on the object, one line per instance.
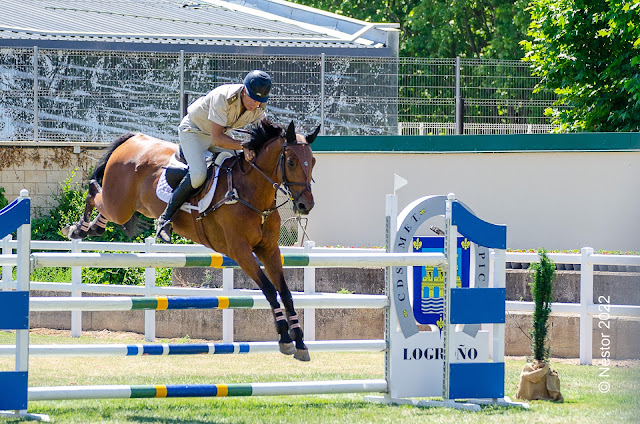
(279, 315)
(101, 221)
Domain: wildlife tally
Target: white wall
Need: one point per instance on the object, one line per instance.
(554, 200)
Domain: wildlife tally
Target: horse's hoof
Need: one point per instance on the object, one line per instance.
(70, 232)
(302, 355)
(288, 348)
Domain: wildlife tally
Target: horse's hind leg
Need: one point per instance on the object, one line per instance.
(97, 226)
(84, 226)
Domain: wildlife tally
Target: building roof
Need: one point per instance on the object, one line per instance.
(232, 26)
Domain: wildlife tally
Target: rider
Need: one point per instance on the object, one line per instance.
(206, 126)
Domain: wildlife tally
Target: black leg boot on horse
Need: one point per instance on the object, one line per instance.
(181, 194)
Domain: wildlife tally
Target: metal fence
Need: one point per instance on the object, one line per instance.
(98, 95)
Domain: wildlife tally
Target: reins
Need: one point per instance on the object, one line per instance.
(232, 196)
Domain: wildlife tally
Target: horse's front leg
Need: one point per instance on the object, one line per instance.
(250, 265)
(273, 265)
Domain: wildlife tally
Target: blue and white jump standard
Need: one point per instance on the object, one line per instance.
(441, 363)
(444, 362)
(15, 312)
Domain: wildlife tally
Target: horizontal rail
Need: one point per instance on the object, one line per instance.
(207, 390)
(43, 259)
(575, 308)
(9, 260)
(566, 308)
(575, 258)
(216, 260)
(321, 301)
(163, 349)
(144, 291)
(614, 260)
(104, 246)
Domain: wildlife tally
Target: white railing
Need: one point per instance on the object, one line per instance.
(76, 287)
(470, 128)
(586, 309)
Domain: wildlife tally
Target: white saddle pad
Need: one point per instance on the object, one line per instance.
(164, 190)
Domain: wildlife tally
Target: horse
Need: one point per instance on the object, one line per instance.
(245, 220)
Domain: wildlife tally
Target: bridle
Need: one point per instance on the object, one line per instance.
(305, 161)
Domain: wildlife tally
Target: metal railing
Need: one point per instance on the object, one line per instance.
(76, 95)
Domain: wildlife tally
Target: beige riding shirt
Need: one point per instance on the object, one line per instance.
(223, 105)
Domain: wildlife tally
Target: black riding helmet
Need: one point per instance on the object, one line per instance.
(258, 85)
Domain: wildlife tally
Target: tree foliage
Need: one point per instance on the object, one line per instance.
(474, 29)
(588, 52)
(444, 29)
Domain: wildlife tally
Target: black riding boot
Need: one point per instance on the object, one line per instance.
(181, 194)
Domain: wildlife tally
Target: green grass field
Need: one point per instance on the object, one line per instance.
(584, 403)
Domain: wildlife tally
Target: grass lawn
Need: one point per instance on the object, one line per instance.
(584, 403)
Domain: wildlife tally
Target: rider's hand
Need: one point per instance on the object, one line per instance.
(249, 154)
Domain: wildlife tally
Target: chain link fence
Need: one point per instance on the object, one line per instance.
(98, 95)
(95, 96)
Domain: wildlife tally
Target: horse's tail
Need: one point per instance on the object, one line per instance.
(98, 174)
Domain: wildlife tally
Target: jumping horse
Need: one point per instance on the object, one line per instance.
(242, 224)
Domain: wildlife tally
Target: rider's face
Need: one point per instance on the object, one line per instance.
(248, 102)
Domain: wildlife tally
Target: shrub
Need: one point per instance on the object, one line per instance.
(3, 200)
(544, 273)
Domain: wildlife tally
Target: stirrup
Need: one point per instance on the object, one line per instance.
(164, 229)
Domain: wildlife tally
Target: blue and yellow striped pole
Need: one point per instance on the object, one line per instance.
(162, 303)
(190, 390)
(207, 390)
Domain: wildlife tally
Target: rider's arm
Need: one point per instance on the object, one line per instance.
(220, 139)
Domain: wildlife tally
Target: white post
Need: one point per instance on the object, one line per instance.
(227, 314)
(390, 320)
(586, 300)
(490, 327)
(309, 288)
(450, 253)
(499, 281)
(149, 285)
(76, 291)
(7, 274)
(22, 284)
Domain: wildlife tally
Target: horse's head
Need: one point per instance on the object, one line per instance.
(289, 155)
(296, 167)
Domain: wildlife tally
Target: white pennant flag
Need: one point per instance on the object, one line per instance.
(398, 182)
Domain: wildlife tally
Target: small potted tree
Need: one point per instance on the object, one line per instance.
(537, 380)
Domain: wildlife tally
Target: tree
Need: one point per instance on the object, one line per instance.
(474, 29)
(588, 52)
(444, 29)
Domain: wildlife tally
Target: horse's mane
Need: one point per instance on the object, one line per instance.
(99, 172)
(261, 133)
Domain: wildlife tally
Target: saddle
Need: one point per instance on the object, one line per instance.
(200, 202)
(177, 169)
